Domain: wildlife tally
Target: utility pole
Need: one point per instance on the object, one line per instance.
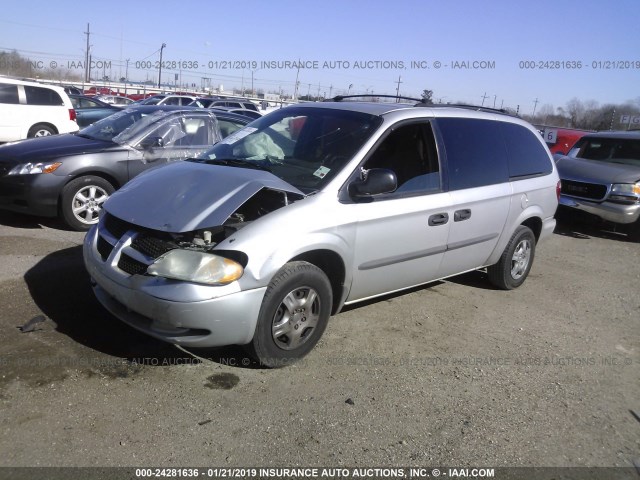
(86, 57)
(494, 100)
(535, 104)
(295, 94)
(398, 89)
(160, 69)
(126, 77)
(502, 104)
(318, 96)
(330, 90)
(484, 97)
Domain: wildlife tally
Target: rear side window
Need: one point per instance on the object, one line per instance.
(476, 153)
(42, 96)
(9, 94)
(527, 156)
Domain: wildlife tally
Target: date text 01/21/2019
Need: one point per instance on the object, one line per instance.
(579, 65)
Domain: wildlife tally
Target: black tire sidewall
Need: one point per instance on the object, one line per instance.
(68, 193)
(35, 128)
(520, 234)
(291, 276)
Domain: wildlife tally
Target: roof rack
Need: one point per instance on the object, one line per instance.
(339, 98)
(468, 107)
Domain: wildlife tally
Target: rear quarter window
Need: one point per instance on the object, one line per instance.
(9, 94)
(527, 156)
(42, 96)
(475, 150)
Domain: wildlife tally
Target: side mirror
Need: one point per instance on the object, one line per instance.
(152, 142)
(377, 181)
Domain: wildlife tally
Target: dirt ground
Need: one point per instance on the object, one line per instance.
(455, 373)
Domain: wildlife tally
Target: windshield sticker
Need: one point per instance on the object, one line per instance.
(321, 172)
(240, 134)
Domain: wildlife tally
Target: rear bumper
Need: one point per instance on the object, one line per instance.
(609, 211)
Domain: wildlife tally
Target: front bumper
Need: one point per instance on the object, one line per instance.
(205, 320)
(609, 211)
(31, 194)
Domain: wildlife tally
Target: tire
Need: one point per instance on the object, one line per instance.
(293, 316)
(516, 260)
(40, 130)
(82, 201)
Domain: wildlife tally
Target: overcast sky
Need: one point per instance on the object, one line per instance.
(356, 46)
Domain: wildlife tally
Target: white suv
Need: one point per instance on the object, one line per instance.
(30, 109)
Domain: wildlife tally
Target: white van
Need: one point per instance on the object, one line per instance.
(30, 109)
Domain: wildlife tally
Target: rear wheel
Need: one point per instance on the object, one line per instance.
(41, 130)
(516, 260)
(294, 314)
(82, 200)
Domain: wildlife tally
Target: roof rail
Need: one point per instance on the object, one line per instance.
(468, 107)
(339, 98)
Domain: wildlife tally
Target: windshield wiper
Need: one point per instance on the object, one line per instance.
(237, 162)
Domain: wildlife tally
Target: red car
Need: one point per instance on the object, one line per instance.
(560, 140)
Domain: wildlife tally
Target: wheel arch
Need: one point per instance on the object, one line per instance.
(46, 124)
(91, 173)
(332, 264)
(535, 224)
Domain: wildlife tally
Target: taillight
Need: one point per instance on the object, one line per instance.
(558, 189)
(72, 115)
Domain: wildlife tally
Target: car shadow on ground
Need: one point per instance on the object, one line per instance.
(586, 228)
(17, 220)
(59, 285)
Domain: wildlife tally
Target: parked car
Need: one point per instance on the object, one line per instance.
(234, 103)
(182, 100)
(89, 110)
(601, 177)
(30, 109)
(72, 175)
(267, 234)
(207, 101)
(240, 111)
(560, 140)
(116, 100)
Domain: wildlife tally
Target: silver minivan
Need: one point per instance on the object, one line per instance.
(314, 207)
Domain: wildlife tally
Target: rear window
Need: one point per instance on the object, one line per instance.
(42, 96)
(476, 153)
(9, 94)
(527, 156)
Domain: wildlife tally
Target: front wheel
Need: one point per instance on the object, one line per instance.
(516, 260)
(294, 314)
(82, 200)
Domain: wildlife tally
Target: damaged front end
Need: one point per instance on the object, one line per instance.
(169, 222)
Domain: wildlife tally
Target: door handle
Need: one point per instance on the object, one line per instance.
(438, 219)
(461, 215)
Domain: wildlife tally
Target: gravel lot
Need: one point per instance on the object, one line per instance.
(454, 373)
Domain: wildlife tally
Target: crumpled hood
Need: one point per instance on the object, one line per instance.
(41, 148)
(187, 196)
(594, 171)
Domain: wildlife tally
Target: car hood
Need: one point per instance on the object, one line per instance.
(53, 146)
(594, 171)
(187, 196)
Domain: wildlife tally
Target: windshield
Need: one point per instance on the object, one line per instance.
(305, 147)
(615, 150)
(122, 126)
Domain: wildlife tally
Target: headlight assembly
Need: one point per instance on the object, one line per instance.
(32, 168)
(195, 266)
